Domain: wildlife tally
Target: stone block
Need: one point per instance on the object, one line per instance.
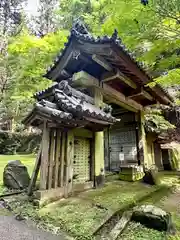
(153, 217)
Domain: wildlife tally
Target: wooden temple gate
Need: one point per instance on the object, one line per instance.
(90, 73)
(71, 157)
(66, 161)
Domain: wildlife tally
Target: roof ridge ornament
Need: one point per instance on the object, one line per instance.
(115, 35)
(79, 27)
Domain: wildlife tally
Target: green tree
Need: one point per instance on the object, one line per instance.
(151, 32)
(46, 21)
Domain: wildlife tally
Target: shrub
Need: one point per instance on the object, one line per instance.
(11, 143)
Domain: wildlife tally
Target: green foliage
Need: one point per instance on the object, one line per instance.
(25, 63)
(138, 231)
(10, 143)
(151, 32)
(33, 55)
(155, 122)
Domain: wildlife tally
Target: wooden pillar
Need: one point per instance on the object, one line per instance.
(57, 157)
(62, 156)
(143, 153)
(99, 145)
(44, 157)
(51, 158)
(158, 156)
(69, 157)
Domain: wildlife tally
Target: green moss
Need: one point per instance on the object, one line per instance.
(175, 158)
(136, 231)
(131, 177)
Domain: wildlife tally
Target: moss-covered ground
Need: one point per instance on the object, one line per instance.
(167, 200)
(81, 215)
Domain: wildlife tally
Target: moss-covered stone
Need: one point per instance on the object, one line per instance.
(153, 217)
(131, 173)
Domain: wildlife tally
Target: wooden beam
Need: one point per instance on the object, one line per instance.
(35, 173)
(62, 150)
(147, 95)
(99, 145)
(82, 133)
(44, 157)
(80, 187)
(121, 77)
(142, 93)
(101, 61)
(84, 79)
(61, 65)
(47, 196)
(51, 159)
(66, 160)
(109, 93)
(69, 156)
(120, 99)
(57, 157)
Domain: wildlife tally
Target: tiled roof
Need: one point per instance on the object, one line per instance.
(67, 107)
(80, 32)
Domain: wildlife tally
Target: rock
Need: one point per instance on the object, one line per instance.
(153, 217)
(151, 176)
(15, 175)
(19, 217)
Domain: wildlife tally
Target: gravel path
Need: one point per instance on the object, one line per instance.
(11, 229)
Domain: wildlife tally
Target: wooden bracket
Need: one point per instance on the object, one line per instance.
(84, 79)
(101, 61)
(141, 93)
(120, 76)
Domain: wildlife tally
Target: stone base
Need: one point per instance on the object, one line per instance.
(131, 173)
(99, 180)
(153, 217)
(44, 197)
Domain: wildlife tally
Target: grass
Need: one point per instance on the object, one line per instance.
(167, 200)
(136, 231)
(81, 215)
(28, 160)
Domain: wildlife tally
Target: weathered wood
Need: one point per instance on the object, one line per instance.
(99, 144)
(62, 160)
(51, 159)
(80, 187)
(44, 157)
(120, 226)
(66, 160)
(92, 162)
(60, 67)
(82, 133)
(49, 195)
(102, 62)
(70, 158)
(120, 99)
(35, 172)
(142, 93)
(143, 152)
(57, 157)
(98, 121)
(84, 79)
(120, 76)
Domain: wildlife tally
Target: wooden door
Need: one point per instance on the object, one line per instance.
(81, 164)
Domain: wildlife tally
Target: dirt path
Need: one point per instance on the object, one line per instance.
(11, 229)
